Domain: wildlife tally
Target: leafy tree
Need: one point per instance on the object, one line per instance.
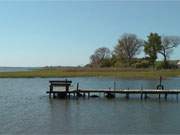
(167, 45)
(106, 62)
(99, 55)
(128, 47)
(152, 47)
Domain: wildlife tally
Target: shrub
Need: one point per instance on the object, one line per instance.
(168, 65)
(142, 64)
(106, 63)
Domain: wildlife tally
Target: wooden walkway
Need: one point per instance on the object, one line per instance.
(112, 93)
(65, 91)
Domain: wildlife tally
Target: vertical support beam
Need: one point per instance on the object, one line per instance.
(88, 94)
(69, 95)
(141, 92)
(77, 88)
(160, 80)
(127, 95)
(49, 94)
(177, 97)
(145, 96)
(114, 86)
(77, 91)
(165, 96)
(54, 96)
(84, 95)
(141, 95)
(159, 96)
(50, 90)
(74, 94)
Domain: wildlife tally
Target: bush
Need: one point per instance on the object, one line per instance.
(106, 63)
(168, 65)
(142, 64)
(120, 64)
(160, 65)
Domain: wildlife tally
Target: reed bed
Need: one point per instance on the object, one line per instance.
(93, 72)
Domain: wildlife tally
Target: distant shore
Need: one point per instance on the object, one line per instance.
(93, 72)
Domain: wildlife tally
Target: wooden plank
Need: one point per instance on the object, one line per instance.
(130, 91)
(60, 81)
(127, 92)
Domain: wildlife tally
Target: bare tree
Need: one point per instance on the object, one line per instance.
(128, 47)
(167, 45)
(99, 55)
(94, 60)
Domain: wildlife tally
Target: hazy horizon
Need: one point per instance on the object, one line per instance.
(38, 34)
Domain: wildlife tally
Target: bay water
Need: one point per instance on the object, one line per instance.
(25, 108)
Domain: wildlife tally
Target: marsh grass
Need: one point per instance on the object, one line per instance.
(90, 72)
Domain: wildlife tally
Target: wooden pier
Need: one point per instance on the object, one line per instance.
(81, 92)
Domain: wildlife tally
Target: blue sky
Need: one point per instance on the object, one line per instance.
(67, 33)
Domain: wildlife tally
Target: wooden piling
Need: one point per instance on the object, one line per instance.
(177, 97)
(114, 85)
(74, 94)
(159, 96)
(145, 96)
(141, 95)
(127, 95)
(54, 96)
(50, 90)
(84, 94)
(77, 87)
(69, 95)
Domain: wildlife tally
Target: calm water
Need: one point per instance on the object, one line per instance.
(25, 108)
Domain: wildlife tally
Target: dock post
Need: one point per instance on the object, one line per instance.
(84, 95)
(50, 94)
(141, 95)
(141, 92)
(77, 91)
(69, 95)
(127, 95)
(114, 89)
(88, 94)
(177, 97)
(77, 88)
(165, 96)
(54, 96)
(114, 85)
(145, 96)
(50, 90)
(74, 94)
(159, 96)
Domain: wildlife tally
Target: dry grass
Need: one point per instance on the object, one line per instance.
(87, 72)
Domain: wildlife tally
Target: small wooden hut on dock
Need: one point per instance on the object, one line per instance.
(59, 88)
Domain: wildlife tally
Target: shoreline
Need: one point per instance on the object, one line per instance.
(83, 72)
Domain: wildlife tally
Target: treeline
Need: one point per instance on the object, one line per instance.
(129, 46)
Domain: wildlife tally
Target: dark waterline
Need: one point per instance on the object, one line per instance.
(25, 108)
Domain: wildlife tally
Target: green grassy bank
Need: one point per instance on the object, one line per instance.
(119, 73)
